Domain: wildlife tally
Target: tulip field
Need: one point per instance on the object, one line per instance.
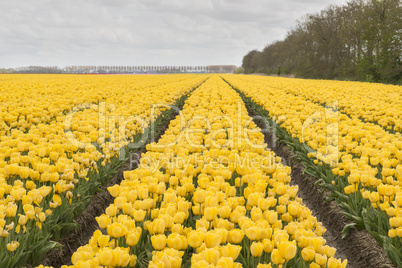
(210, 191)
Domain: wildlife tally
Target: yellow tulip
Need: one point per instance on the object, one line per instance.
(268, 245)
(12, 246)
(179, 217)
(320, 259)
(224, 262)
(103, 221)
(334, 263)
(287, 250)
(271, 216)
(231, 251)
(329, 251)
(133, 236)
(212, 239)
(158, 242)
(308, 253)
(105, 257)
(11, 210)
(253, 233)
(195, 239)
(235, 236)
(158, 226)
(256, 249)
(314, 265)
(116, 230)
(260, 265)
(103, 240)
(22, 220)
(111, 210)
(199, 196)
(139, 215)
(276, 257)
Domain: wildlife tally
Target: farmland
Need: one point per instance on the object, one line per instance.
(234, 171)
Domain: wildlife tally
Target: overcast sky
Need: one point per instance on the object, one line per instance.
(143, 32)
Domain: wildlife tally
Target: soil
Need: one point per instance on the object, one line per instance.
(358, 247)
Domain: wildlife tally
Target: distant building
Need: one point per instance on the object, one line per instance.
(91, 69)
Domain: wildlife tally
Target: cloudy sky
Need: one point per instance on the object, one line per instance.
(143, 32)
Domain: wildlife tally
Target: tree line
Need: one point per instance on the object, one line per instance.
(361, 40)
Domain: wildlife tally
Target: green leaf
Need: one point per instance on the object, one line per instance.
(346, 229)
(359, 221)
(40, 252)
(319, 182)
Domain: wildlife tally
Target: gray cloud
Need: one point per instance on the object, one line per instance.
(143, 32)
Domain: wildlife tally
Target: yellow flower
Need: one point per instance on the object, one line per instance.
(320, 259)
(103, 221)
(177, 228)
(224, 212)
(103, 240)
(235, 236)
(314, 265)
(158, 241)
(157, 226)
(176, 241)
(271, 216)
(199, 196)
(11, 210)
(114, 190)
(334, 263)
(308, 253)
(268, 245)
(252, 199)
(133, 260)
(12, 246)
(210, 213)
(231, 251)
(293, 209)
(256, 249)
(195, 239)
(329, 251)
(225, 262)
(211, 256)
(212, 239)
(42, 217)
(105, 257)
(260, 265)
(287, 250)
(111, 210)
(133, 236)
(253, 233)
(139, 215)
(349, 189)
(276, 257)
(116, 230)
(127, 208)
(179, 217)
(22, 220)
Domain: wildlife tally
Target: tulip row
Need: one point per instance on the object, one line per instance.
(208, 194)
(380, 104)
(361, 163)
(34, 99)
(48, 174)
